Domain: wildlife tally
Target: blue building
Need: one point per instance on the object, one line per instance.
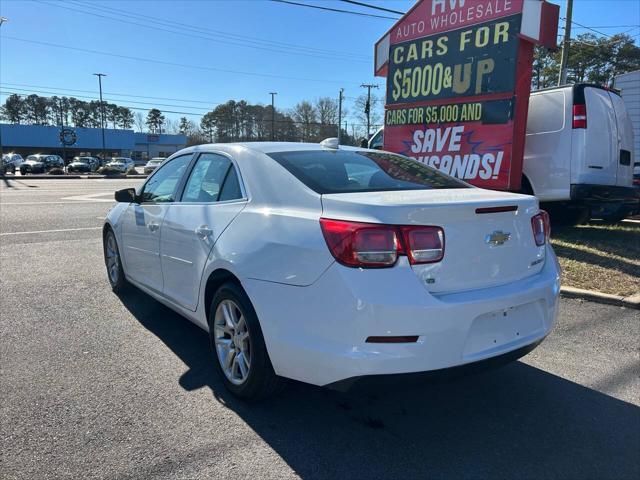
(30, 139)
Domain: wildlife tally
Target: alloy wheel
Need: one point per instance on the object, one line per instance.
(233, 344)
(112, 258)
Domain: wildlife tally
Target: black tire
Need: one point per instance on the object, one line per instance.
(261, 381)
(563, 216)
(615, 217)
(115, 272)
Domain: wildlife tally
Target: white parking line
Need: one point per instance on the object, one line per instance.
(92, 197)
(50, 231)
(77, 202)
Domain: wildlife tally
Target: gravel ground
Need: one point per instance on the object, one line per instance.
(97, 386)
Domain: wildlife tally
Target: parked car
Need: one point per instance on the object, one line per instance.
(579, 152)
(41, 163)
(153, 164)
(83, 164)
(10, 162)
(121, 163)
(323, 264)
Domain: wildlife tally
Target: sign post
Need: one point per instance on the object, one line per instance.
(458, 81)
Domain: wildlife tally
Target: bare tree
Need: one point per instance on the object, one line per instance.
(171, 126)
(327, 109)
(138, 121)
(307, 118)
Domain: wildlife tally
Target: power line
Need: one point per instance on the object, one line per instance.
(5, 92)
(222, 33)
(612, 26)
(174, 64)
(338, 10)
(54, 92)
(203, 37)
(207, 102)
(374, 7)
(588, 28)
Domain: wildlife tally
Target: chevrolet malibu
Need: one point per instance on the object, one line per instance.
(324, 264)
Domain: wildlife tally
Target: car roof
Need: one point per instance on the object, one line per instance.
(269, 147)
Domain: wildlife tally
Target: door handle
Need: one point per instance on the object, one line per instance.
(203, 231)
(153, 226)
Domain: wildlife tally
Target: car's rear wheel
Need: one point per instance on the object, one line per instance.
(115, 272)
(238, 346)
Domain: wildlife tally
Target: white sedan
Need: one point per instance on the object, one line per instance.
(325, 264)
(122, 164)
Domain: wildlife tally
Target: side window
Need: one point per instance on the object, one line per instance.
(546, 113)
(162, 186)
(231, 188)
(209, 180)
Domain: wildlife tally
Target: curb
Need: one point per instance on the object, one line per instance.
(73, 177)
(632, 301)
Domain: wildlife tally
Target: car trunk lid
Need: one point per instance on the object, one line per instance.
(488, 235)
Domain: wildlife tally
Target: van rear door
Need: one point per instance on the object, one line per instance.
(594, 148)
(624, 177)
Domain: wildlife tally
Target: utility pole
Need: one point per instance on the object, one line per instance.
(367, 107)
(100, 75)
(273, 115)
(2, 20)
(562, 79)
(340, 115)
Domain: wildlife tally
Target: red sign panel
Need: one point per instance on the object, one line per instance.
(471, 141)
(435, 16)
(458, 80)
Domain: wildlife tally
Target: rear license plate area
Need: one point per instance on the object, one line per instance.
(500, 329)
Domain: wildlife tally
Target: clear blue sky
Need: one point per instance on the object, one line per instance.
(229, 26)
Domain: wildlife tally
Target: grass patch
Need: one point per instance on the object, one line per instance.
(600, 257)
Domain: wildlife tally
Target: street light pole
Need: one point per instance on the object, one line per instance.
(273, 115)
(100, 75)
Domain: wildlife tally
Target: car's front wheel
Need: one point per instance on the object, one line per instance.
(238, 345)
(115, 272)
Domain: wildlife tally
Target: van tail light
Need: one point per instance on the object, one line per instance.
(580, 116)
(541, 228)
(371, 245)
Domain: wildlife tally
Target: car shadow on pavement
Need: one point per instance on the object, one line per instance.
(514, 422)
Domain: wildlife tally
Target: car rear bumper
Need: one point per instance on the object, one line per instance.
(597, 194)
(317, 334)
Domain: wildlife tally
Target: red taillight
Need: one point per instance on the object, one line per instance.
(371, 245)
(541, 228)
(579, 116)
(423, 244)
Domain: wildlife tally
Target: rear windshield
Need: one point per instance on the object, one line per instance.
(344, 171)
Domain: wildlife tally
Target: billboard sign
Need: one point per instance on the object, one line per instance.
(458, 79)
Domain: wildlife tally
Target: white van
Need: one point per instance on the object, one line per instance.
(578, 153)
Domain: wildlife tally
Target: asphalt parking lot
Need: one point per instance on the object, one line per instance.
(97, 386)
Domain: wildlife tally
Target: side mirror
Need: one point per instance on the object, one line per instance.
(126, 195)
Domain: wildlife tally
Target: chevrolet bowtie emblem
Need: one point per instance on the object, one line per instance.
(497, 238)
